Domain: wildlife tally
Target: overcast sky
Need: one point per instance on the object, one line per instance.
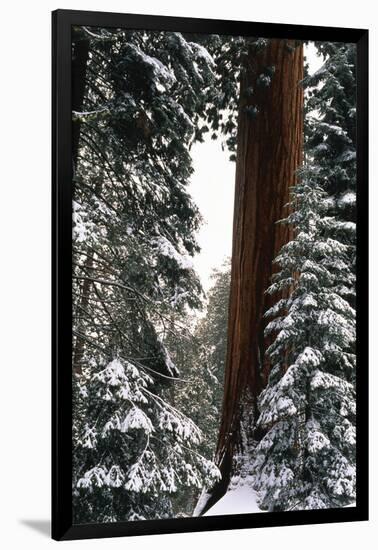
(212, 188)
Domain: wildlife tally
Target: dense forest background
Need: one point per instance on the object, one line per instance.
(178, 394)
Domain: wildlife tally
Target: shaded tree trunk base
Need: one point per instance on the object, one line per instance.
(237, 454)
(220, 489)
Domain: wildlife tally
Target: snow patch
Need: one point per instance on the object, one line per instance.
(240, 500)
(166, 248)
(348, 199)
(201, 53)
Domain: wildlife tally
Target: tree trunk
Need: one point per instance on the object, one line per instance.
(269, 151)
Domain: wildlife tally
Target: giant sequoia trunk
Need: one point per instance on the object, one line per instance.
(269, 150)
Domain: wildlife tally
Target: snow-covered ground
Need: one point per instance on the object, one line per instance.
(239, 499)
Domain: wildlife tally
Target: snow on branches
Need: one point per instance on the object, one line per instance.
(306, 459)
(135, 441)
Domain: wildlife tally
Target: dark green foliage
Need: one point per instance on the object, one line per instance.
(331, 141)
(230, 54)
(133, 236)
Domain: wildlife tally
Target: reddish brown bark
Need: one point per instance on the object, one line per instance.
(269, 151)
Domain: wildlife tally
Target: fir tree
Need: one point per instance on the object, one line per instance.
(331, 134)
(306, 458)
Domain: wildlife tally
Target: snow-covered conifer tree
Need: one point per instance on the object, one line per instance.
(306, 458)
(134, 227)
(330, 133)
(135, 449)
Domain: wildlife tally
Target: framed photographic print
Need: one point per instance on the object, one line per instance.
(210, 238)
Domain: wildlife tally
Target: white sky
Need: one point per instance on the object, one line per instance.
(212, 188)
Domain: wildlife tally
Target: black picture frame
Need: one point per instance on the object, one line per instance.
(62, 524)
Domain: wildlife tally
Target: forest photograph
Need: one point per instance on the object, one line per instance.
(213, 275)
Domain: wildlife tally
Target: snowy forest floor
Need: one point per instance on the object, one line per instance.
(241, 498)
